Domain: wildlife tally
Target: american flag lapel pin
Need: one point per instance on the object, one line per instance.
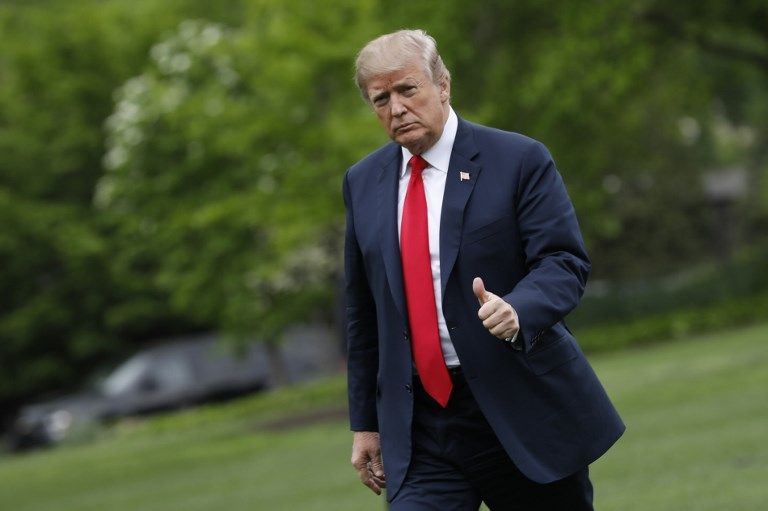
(463, 176)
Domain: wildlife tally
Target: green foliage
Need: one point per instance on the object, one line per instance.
(246, 130)
(44, 253)
(684, 321)
(59, 73)
(606, 86)
(705, 285)
(64, 307)
(705, 299)
(175, 165)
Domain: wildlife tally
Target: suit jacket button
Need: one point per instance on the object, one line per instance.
(408, 388)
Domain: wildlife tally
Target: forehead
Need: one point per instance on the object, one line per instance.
(409, 74)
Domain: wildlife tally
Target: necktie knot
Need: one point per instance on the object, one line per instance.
(418, 164)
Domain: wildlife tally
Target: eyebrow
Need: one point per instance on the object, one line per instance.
(406, 82)
(398, 86)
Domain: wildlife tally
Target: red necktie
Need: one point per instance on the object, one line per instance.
(419, 293)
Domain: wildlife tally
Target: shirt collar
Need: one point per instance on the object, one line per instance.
(439, 155)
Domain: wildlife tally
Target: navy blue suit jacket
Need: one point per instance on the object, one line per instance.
(513, 224)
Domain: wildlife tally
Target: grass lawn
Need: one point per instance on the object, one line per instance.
(697, 439)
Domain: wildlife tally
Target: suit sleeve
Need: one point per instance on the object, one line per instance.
(556, 261)
(361, 330)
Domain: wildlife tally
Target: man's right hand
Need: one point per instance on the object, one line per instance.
(366, 458)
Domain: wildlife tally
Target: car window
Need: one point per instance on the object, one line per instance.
(161, 373)
(124, 377)
(171, 373)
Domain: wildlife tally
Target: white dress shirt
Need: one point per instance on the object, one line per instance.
(438, 157)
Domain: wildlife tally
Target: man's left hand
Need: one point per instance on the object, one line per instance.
(366, 458)
(497, 315)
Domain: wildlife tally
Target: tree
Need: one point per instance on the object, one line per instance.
(224, 166)
(61, 309)
(614, 93)
(215, 149)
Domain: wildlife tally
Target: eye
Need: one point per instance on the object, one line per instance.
(410, 90)
(380, 100)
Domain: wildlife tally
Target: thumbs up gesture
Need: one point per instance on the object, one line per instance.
(497, 315)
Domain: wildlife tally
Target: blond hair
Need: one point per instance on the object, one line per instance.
(392, 52)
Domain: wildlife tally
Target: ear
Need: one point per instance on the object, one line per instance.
(445, 91)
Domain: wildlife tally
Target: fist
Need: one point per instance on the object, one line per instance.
(498, 317)
(366, 458)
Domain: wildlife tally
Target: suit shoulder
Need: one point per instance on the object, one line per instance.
(508, 139)
(375, 160)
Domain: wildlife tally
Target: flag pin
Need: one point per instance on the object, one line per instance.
(463, 176)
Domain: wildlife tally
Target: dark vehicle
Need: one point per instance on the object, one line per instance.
(169, 376)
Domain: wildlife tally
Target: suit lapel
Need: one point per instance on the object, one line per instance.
(387, 225)
(457, 191)
(460, 181)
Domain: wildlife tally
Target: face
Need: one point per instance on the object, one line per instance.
(411, 108)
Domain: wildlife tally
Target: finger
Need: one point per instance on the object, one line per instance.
(360, 461)
(493, 321)
(380, 482)
(478, 288)
(488, 309)
(371, 483)
(497, 306)
(377, 468)
(361, 464)
(363, 474)
(507, 322)
(502, 331)
(491, 307)
(501, 320)
(368, 480)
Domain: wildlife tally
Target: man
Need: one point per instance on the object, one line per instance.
(462, 257)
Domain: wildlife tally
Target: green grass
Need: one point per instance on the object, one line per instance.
(697, 438)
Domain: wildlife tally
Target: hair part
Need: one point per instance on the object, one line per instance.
(392, 52)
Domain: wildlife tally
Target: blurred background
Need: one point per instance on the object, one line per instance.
(170, 174)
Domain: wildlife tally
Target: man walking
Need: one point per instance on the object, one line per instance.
(462, 257)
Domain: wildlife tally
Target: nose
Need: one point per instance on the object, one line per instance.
(397, 106)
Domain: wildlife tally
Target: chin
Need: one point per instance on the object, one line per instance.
(415, 144)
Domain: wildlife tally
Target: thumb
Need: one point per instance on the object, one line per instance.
(479, 289)
(377, 467)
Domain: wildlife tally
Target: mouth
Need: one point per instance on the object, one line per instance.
(405, 127)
